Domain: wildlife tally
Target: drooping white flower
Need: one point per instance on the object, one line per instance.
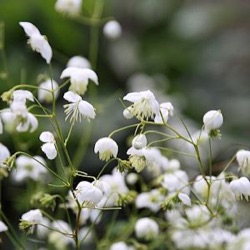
(151, 200)
(45, 91)
(146, 228)
(27, 167)
(240, 187)
(48, 147)
(22, 96)
(33, 216)
(144, 104)
(212, 120)
(112, 30)
(3, 227)
(137, 158)
(77, 109)
(79, 78)
(37, 42)
(87, 192)
(243, 159)
(140, 141)
(106, 147)
(166, 110)
(79, 62)
(4, 154)
(70, 7)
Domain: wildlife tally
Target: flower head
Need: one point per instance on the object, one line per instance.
(78, 62)
(112, 30)
(45, 91)
(37, 42)
(144, 104)
(240, 187)
(106, 147)
(48, 147)
(166, 110)
(77, 109)
(243, 159)
(70, 7)
(213, 120)
(79, 78)
(146, 228)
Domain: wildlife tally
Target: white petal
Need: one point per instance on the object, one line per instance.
(68, 72)
(86, 109)
(91, 75)
(3, 227)
(30, 29)
(50, 150)
(47, 137)
(78, 62)
(185, 199)
(71, 97)
(46, 51)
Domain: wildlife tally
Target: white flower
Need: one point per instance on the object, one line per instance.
(48, 147)
(78, 62)
(240, 187)
(197, 215)
(140, 141)
(22, 96)
(4, 154)
(132, 178)
(87, 192)
(151, 200)
(77, 108)
(144, 104)
(184, 199)
(27, 167)
(45, 91)
(79, 78)
(127, 113)
(112, 29)
(243, 159)
(212, 120)
(106, 147)
(137, 158)
(146, 228)
(37, 42)
(33, 216)
(3, 227)
(120, 246)
(70, 7)
(166, 110)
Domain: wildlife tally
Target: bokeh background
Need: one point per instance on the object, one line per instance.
(194, 53)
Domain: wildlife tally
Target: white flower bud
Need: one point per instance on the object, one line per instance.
(213, 120)
(243, 159)
(112, 29)
(140, 141)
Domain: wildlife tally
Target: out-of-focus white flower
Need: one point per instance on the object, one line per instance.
(151, 200)
(27, 167)
(4, 154)
(61, 236)
(22, 95)
(166, 110)
(48, 147)
(243, 159)
(37, 42)
(112, 30)
(3, 227)
(241, 241)
(140, 141)
(33, 216)
(185, 199)
(45, 91)
(43, 229)
(77, 109)
(177, 180)
(132, 178)
(79, 62)
(69, 7)
(144, 104)
(106, 147)
(87, 192)
(146, 228)
(127, 113)
(79, 78)
(240, 187)
(197, 215)
(120, 246)
(212, 120)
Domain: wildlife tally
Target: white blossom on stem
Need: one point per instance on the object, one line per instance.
(79, 78)
(240, 187)
(37, 41)
(106, 147)
(212, 120)
(79, 62)
(69, 7)
(45, 91)
(77, 108)
(140, 141)
(144, 104)
(48, 147)
(112, 29)
(243, 159)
